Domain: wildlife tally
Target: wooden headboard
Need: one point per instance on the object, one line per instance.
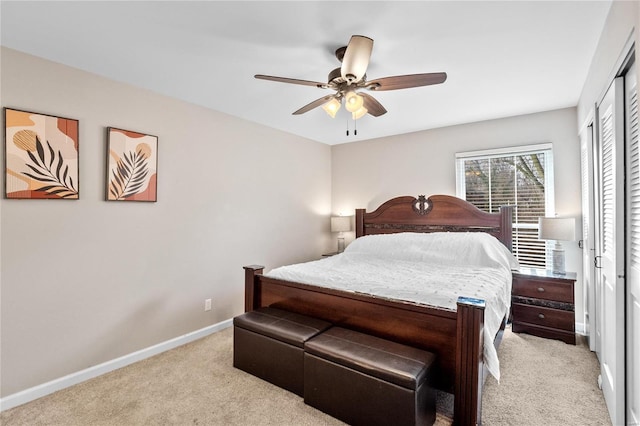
(438, 213)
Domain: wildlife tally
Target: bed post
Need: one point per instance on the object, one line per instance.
(251, 273)
(506, 226)
(360, 222)
(469, 362)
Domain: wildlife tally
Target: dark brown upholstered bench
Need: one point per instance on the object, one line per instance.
(269, 343)
(365, 380)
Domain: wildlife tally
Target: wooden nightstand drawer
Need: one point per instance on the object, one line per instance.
(542, 289)
(547, 317)
(542, 303)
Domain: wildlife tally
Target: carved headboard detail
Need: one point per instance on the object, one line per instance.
(421, 205)
(437, 213)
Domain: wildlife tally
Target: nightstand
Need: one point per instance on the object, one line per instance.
(542, 304)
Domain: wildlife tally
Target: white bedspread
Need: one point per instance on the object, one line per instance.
(430, 269)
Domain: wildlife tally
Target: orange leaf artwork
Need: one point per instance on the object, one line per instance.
(131, 166)
(41, 156)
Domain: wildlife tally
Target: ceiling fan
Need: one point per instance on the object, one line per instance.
(350, 81)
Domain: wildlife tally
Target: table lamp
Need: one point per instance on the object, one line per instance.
(340, 224)
(557, 229)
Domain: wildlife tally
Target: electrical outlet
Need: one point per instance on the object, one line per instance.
(207, 304)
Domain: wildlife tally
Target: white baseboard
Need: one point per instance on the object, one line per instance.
(47, 388)
(580, 329)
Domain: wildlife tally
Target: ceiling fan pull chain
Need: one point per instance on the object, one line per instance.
(355, 130)
(347, 127)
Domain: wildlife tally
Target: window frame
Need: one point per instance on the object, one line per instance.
(542, 148)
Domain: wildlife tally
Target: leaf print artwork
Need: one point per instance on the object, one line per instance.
(58, 177)
(132, 166)
(41, 158)
(129, 175)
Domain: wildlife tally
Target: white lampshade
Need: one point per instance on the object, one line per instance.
(340, 223)
(353, 102)
(556, 228)
(359, 113)
(332, 107)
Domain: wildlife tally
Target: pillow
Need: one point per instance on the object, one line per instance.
(444, 248)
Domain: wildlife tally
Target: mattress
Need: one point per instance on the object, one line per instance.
(427, 269)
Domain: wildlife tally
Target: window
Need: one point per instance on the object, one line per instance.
(521, 176)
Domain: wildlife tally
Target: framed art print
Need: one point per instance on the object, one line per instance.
(41, 156)
(132, 160)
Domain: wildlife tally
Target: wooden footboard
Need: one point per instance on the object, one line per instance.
(455, 337)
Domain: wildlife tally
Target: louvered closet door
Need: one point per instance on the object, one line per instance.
(611, 246)
(633, 248)
(588, 243)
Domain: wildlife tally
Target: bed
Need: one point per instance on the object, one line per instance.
(456, 335)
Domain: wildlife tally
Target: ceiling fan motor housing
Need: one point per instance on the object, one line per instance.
(335, 76)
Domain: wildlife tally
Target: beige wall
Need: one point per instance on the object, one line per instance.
(365, 174)
(86, 281)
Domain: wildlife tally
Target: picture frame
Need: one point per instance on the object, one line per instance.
(41, 156)
(132, 163)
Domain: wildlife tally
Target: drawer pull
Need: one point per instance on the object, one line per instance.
(541, 289)
(541, 316)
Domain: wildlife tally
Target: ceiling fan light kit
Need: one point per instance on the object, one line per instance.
(352, 76)
(331, 107)
(353, 101)
(359, 113)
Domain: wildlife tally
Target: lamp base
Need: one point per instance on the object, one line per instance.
(557, 260)
(340, 244)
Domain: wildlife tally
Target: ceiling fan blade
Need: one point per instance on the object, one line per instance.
(323, 100)
(373, 107)
(356, 58)
(406, 81)
(291, 80)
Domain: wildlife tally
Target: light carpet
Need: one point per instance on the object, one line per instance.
(544, 382)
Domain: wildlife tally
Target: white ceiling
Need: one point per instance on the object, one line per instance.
(502, 58)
